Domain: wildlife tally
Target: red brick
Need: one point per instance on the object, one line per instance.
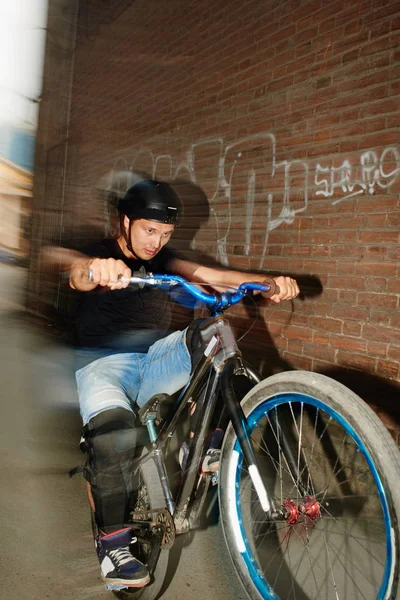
(298, 333)
(349, 311)
(355, 361)
(377, 140)
(352, 328)
(348, 251)
(348, 343)
(377, 300)
(374, 268)
(376, 284)
(349, 283)
(386, 368)
(320, 352)
(298, 362)
(379, 317)
(321, 338)
(378, 349)
(395, 320)
(295, 347)
(377, 220)
(393, 285)
(385, 335)
(380, 107)
(394, 353)
(325, 324)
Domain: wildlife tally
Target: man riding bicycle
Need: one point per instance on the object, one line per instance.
(131, 354)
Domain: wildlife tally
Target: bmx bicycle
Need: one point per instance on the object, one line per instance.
(308, 477)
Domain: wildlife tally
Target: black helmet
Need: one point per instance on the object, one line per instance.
(151, 200)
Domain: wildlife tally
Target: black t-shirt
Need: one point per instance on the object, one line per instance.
(130, 319)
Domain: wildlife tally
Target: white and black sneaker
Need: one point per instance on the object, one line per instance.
(119, 568)
(211, 461)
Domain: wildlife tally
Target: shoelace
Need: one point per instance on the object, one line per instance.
(121, 555)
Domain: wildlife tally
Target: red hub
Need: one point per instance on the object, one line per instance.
(292, 512)
(309, 508)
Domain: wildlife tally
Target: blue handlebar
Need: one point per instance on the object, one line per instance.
(217, 302)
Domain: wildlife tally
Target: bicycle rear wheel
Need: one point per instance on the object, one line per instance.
(337, 535)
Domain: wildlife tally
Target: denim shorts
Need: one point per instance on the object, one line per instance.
(125, 379)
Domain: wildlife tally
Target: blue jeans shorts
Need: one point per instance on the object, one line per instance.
(125, 379)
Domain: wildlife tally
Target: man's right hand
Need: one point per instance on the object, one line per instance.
(87, 273)
(109, 272)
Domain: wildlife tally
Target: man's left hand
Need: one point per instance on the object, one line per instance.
(288, 289)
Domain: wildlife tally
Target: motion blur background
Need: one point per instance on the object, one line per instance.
(22, 46)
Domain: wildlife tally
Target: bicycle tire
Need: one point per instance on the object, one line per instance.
(359, 502)
(155, 499)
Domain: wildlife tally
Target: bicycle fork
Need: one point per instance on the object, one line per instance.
(240, 424)
(241, 428)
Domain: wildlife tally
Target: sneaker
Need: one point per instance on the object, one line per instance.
(210, 462)
(118, 566)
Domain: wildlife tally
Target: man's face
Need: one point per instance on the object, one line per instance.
(148, 237)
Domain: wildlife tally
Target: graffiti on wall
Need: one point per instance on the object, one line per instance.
(372, 172)
(275, 190)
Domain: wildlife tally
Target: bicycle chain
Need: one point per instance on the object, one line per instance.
(160, 516)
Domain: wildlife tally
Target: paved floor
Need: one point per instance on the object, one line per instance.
(47, 549)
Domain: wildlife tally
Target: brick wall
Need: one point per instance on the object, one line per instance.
(286, 117)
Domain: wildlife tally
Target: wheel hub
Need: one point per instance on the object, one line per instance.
(293, 513)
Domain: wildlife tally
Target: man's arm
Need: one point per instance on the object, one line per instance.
(221, 278)
(106, 272)
(72, 263)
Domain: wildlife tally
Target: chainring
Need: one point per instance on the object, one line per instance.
(158, 516)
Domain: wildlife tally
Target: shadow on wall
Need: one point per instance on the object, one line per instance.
(381, 395)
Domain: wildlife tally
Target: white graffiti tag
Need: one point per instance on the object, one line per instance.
(364, 178)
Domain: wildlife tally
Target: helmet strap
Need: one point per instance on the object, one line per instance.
(127, 235)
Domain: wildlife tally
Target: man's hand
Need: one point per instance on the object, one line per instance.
(106, 272)
(288, 289)
(109, 272)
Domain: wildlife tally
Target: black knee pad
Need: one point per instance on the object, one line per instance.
(194, 342)
(110, 442)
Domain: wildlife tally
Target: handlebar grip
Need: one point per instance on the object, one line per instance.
(273, 287)
(141, 273)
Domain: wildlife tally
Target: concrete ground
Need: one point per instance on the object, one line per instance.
(47, 548)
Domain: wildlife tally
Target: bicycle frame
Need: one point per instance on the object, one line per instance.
(222, 360)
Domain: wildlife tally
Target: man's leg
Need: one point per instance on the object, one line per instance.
(166, 367)
(110, 443)
(110, 439)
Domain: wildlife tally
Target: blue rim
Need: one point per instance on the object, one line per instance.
(253, 419)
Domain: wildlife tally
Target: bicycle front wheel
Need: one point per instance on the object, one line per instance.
(332, 472)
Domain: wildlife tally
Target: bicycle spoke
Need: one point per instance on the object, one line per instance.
(350, 562)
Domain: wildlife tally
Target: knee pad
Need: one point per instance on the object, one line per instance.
(194, 342)
(110, 442)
